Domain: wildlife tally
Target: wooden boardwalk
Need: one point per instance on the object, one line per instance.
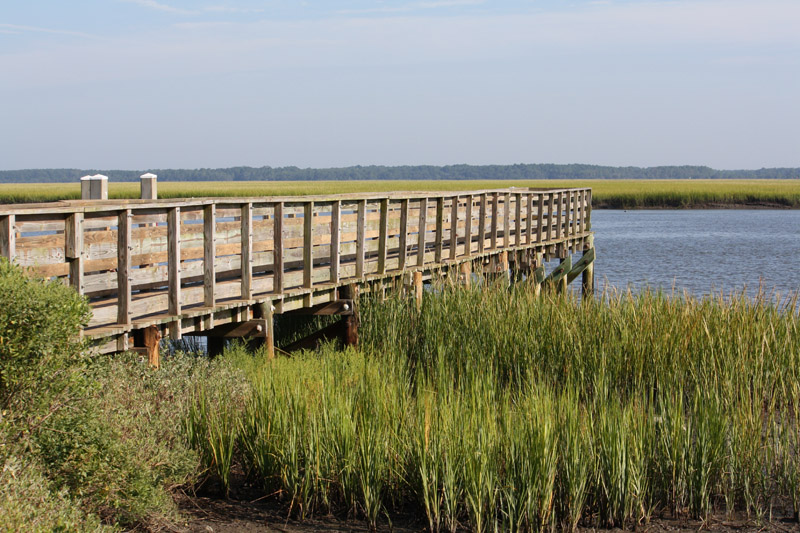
(191, 265)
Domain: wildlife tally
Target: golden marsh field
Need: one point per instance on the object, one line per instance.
(628, 194)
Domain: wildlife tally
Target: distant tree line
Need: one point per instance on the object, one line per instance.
(419, 172)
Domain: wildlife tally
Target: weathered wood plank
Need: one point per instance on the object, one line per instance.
(495, 219)
(174, 269)
(518, 220)
(277, 248)
(468, 227)
(482, 224)
(506, 220)
(73, 237)
(383, 236)
(308, 245)
(209, 253)
(124, 267)
(361, 237)
(247, 251)
(403, 246)
(454, 227)
(335, 230)
(422, 228)
(439, 229)
(8, 245)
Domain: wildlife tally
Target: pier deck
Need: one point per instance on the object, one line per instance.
(190, 265)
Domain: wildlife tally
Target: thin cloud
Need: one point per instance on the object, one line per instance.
(414, 6)
(17, 29)
(152, 4)
(229, 9)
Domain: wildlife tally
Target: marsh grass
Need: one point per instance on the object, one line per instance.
(493, 409)
(618, 194)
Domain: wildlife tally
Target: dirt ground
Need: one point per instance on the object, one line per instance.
(212, 515)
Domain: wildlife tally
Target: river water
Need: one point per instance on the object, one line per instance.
(698, 250)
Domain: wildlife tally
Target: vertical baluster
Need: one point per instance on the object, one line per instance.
(277, 248)
(518, 220)
(539, 217)
(308, 245)
(403, 236)
(439, 228)
(383, 236)
(8, 237)
(423, 222)
(336, 209)
(174, 269)
(495, 217)
(468, 227)
(361, 233)
(209, 255)
(247, 251)
(506, 220)
(529, 225)
(124, 267)
(73, 238)
(454, 228)
(550, 210)
(482, 224)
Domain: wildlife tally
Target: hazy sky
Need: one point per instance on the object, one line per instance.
(134, 84)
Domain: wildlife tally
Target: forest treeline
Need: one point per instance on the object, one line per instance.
(418, 172)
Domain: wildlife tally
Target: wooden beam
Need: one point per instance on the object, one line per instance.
(361, 231)
(124, 267)
(336, 224)
(482, 224)
(209, 255)
(506, 220)
(308, 250)
(277, 250)
(174, 270)
(550, 213)
(351, 322)
(403, 237)
(439, 229)
(495, 219)
(581, 265)
(336, 307)
(423, 223)
(540, 218)
(518, 220)
(152, 343)
(454, 228)
(73, 240)
(529, 225)
(418, 289)
(468, 227)
(383, 235)
(8, 237)
(466, 273)
(247, 251)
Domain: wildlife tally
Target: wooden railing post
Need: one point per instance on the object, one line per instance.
(73, 239)
(439, 229)
(277, 248)
(423, 222)
(550, 213)
(403, 237)
(361, 237)
(588, 226)
(518, 220)
(336, 209)
(148, 186)
(495, 218)
(8, 237)
(482, 224)
(454, 228)
(468, 227)
(308, 245)
(209, 254)
(174, 270)
(506, 220)
(124, 267)
(383, 235)
(247, 251)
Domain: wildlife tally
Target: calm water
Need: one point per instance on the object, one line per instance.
(698, 250)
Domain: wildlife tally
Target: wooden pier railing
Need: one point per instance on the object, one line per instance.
(188, 265)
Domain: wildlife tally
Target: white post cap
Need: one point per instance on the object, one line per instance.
(148, 176)
(100, 177)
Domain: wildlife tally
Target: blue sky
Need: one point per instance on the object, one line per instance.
(136, 84)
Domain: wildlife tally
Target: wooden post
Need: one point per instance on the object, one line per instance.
(466, 273)
(73, 238)
(482, 224)
(540, 218)
(506, 220)
(209, 254)
(336, 224)
(518, 220)
(588, 225)
(561, 284)
(8, 237)
(538, 273)
(403, 237)
(418, 288)
(277, 248)
(530, 228)
(94, 187)
(383, 236)
(149, 186)
(439, 229)
(152, 341)
(308, 251)
(266, 312)
(361, 232)
(351, 322)
(502, 265)
(587, 285)
(423, 222)
(550, 213)
(247, 251)
(495, 216)
(454, 228)
(468, 228)
(174, 270)
(124, 267)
